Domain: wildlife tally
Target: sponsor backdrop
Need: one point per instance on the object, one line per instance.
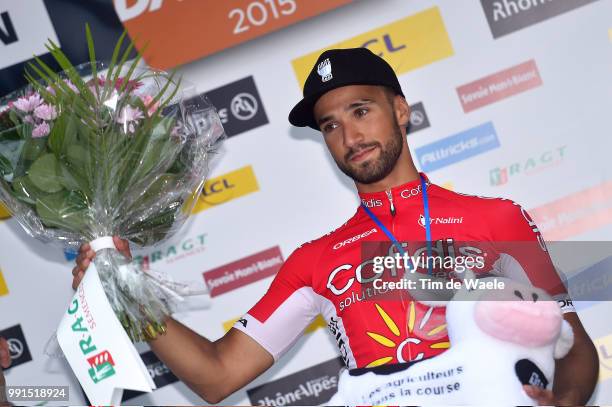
(510, 98)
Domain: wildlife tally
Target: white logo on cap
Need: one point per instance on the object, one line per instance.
(324, 69)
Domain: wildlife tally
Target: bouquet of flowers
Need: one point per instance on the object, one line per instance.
(100, 150)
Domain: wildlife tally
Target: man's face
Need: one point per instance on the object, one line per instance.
(361, 130)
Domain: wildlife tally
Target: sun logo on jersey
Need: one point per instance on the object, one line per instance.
(414, 323)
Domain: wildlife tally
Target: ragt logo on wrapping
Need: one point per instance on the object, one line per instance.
(101, 365)
(458, 147)
(312, 386)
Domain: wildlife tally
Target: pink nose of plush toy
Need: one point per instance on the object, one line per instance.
(526, 321)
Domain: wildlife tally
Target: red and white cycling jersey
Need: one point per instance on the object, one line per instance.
(326, 276)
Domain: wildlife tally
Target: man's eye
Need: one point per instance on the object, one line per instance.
(361, 112)
(329, 127)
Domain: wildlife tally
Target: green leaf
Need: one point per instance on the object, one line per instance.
(45, 173)
(66, 210)
(25, 191)
(56, 137)
(5, 166)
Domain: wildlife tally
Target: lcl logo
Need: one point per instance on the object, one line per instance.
(387, 43)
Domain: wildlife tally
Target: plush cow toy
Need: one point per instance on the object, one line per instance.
(500, 339)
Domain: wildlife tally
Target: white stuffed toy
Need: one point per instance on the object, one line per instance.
(500, 339)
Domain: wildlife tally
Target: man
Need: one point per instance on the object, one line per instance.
(5, 362)
(354, 98)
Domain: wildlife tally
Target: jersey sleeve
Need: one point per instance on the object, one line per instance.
(523, 254)
(279, 318)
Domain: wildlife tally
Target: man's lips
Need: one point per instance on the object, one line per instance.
(362, 155)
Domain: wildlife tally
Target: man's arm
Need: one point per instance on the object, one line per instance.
(575, 374)
(5, 362)
(213, 370)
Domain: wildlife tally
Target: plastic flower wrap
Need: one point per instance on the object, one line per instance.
(107, 150)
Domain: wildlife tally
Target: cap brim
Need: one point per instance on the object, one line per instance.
(302, 114)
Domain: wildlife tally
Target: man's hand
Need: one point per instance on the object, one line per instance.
(86, 256)
(5, 362)
(543, 397)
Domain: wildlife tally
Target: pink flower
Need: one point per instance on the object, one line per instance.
(29, 103)
(128, 116)
(148, 102)
(45, 112)
(41, 130)
(28, 119)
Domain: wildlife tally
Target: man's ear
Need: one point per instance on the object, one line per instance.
(402, 110)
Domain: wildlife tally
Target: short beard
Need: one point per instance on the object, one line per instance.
(370, 172)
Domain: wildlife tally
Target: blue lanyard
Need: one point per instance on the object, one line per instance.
(395, 242)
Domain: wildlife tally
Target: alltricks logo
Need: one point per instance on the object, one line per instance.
(406, 44)
(3, 286)
(241, 272)
(458, 147)
(507, 16)
(309, 387)
(499, 86)
(529, 166)
(224, 188)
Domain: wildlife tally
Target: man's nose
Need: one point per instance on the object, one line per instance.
(352, 134)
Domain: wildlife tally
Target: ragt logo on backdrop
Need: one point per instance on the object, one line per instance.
(507, 16)
(239, 106)
(418, 118)
(499, 85)
(458, 147)
(172, 253)
(527, 166)
(576, 213)
(3, 286)
(405, 44)
(241, 272)
(227, 187)
(192, 30)
(18, 347)
(309, 387)
(24, 31)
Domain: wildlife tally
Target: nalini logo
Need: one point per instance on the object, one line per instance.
(102, 366)
(3, 286)
(532, 165)
(324, 70)
(440, 221)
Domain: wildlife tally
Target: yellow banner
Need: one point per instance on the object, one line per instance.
(604, 349)
(226, 187)
(406, 44)
(319, 322)
(4, 213)
(3, 287)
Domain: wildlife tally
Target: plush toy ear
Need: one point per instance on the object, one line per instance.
(565, 341)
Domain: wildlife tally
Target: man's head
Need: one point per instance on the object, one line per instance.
(354, 98)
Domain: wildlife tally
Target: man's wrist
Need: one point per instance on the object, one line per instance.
(568, 398)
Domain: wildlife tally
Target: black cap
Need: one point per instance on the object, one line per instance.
(341, 67)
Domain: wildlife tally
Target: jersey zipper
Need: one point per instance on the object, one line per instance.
(391, 206)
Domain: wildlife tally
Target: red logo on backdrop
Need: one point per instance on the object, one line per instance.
(244, 271)
(499, 85)
(576, 213)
